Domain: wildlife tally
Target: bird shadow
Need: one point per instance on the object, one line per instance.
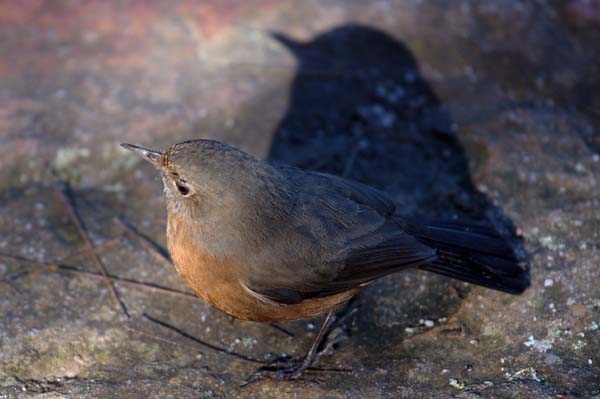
(360, 108)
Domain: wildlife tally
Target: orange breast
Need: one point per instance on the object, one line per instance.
(220, 281)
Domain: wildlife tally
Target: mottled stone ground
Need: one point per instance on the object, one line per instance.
(485, 110)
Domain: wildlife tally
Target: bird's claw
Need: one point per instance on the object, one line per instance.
(286, 368)
(291, 369)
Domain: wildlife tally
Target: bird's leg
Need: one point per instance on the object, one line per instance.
(314, 348)
(294, 371)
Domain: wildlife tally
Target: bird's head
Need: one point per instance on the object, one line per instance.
(200, 176)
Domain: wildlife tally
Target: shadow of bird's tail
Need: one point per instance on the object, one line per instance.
(473, 253)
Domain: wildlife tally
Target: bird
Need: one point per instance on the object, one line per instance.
(268, 242)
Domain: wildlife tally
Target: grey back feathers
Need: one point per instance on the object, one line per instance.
(302, 234)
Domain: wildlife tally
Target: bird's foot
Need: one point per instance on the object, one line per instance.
(286, 368)
(279, 370)
(283, 370)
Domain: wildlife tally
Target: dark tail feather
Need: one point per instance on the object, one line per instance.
(473, 253)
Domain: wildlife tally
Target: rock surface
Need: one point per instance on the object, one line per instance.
(482, 110)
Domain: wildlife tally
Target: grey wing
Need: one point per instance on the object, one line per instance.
(359, 193)
(342, 235)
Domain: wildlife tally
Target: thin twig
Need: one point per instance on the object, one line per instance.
(155, 250)
(202, 343)
(58, 268)
(52, 267)
(55, 265)
(56, 262)
(281, 329)
(156, 337)
(99, 265)
(130, 281)
(102, 245)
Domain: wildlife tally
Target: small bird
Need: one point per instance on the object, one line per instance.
(269, 243)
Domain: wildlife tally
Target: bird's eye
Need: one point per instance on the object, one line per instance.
(182, 188)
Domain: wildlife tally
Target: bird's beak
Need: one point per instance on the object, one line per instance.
(151, 156)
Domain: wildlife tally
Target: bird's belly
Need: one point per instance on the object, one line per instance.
(220, 281)
(228, 294)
